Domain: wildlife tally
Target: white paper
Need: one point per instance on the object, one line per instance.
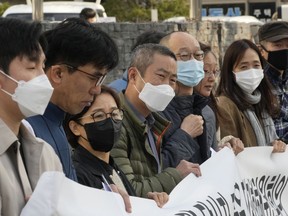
(229, 185)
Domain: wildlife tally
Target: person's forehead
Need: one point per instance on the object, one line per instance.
(25, 59)
(164, 63)
(94, 70)
(210, 58)
(250, 56)
(183, 41)
(103, 100)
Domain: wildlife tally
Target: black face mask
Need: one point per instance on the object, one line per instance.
(279, 59)
(102, 135)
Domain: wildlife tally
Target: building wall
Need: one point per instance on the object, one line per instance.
(217, 34)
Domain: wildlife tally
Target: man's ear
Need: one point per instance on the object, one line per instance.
(55, 73)
(74, 127)
(132, 74)
(262, 51)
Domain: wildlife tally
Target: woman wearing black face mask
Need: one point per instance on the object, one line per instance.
(93, 133)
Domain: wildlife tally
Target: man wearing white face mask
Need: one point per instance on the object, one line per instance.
(152, 77)
(24, 91)
(186, 138)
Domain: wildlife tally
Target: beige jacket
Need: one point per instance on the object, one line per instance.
(38, 157)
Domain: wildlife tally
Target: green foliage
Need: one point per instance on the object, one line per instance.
(133, 11)
(3, 7)
(172, 8)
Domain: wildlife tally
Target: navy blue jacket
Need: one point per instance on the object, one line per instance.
(49, 128)
(177, 144)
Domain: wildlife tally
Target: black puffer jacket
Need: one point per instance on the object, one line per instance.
(177, 144)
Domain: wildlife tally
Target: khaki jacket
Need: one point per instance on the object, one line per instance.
(38, 157)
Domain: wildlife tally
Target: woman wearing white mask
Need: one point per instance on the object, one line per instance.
(246, 103)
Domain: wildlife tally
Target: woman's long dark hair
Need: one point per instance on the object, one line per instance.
(228, 86)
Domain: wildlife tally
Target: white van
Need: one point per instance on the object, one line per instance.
(55, 10)
(283, 12)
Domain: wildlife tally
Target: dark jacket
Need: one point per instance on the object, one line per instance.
(89, 170)
(279, 84)
(177, 144)
(49, 128)
(211, 127)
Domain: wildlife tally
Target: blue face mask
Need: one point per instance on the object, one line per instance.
(190, 73)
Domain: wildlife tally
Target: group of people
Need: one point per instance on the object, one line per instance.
(148, 130)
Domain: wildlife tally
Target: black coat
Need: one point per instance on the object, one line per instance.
(89, 170)
(177, 144)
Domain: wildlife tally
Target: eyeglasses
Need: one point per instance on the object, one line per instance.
(216, 73)
(186, 56)
(116, 115)
(98, 78)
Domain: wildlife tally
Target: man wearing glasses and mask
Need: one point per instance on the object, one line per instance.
(78, 59)
(186, 137)
(273, 39)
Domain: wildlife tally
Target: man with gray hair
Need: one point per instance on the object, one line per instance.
(151, 82)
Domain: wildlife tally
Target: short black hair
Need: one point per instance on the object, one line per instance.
(87, 13)
(76, 42)
(19, 38)
(150, 36)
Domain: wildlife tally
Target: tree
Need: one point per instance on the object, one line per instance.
(172, 8)
(3, 7)
(139, 11)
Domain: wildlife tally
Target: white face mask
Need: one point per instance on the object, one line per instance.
(249, 80)
(33, 96)
(157, 97)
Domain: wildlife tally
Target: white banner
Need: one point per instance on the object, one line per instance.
(253, 183)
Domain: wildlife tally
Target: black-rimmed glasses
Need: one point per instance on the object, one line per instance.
(116, 115)
(98, 78)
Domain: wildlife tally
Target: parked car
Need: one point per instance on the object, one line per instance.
(56, 10)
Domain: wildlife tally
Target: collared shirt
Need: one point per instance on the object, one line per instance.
(19, 173)
(280, 89)
(149, 121)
